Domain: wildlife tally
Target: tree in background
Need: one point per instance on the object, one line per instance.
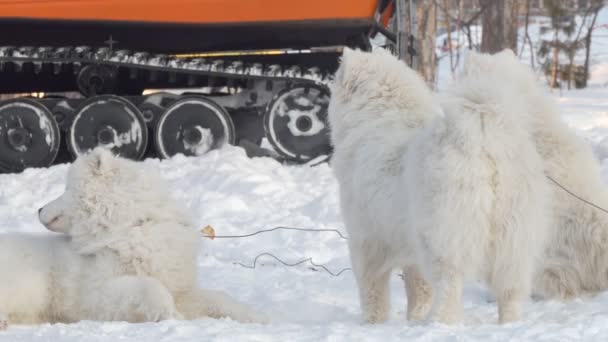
(594, 10)
(499, 25)
(561, 23)
(426, 29)
(467, 14)
(499, 22)
(573, 46)
(460, 14)
(527, 39)
(448, 26)
(511, 24)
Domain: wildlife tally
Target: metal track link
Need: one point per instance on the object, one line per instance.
(215, 67)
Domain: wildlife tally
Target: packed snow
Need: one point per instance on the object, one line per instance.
(238, 195)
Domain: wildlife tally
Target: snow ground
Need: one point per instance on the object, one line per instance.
(238, 195)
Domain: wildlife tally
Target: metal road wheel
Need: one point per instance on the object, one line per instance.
(192, 126)
(111, 122)
(296, 122)
(96, 80)
(29, 135)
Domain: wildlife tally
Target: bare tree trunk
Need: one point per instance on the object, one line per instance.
(469, 37)
(510, 24)
(492, 22)
(499, 25)
(426, 28)
(570, 68)
(588, 44)
(554, 66)
(527, 36)
(573, 48)
(458, 33)
(446, 17)
(402, 23)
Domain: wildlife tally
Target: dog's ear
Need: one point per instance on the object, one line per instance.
(345, 61)
(383, 52)
(479, 63)
(349, 63)
(346, 54)
(101, 160)
(472, 57)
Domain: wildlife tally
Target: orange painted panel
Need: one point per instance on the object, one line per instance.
(188, 11)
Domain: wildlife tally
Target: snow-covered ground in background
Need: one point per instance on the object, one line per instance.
(237, 195)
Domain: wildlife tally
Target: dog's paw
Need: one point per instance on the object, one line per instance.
(169, 315)
(159, 310)
(252, 316)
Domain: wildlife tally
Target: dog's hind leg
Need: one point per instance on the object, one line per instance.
(511, 280)
(558, 279)
(419, 294)
(199, 303)
(3, 321)
(448, 281)
(372, 279)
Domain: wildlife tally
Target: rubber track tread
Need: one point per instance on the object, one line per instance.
(84, 55)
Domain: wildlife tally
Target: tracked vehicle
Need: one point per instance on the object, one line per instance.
(259, 69)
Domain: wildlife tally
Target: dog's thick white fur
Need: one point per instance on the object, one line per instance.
(478, 195)
(377, 105)
(576, 260)
(125, 252)
(442, 197)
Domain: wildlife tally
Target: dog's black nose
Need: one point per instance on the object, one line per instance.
(39, 210)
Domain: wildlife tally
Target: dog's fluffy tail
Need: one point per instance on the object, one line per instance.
(487, 101)
(482, 84)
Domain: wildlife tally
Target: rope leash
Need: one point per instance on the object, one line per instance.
(278, 228)
(209, 233)
(576, 196)
(309, 260)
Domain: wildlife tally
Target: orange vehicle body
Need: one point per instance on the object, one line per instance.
(187, 25)
(189, 11)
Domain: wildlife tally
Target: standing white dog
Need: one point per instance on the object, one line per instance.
(478, 195)
(376, 107)
(460, 195)
(576, 258)
(126, 252)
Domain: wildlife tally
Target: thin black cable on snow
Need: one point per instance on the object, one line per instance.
(336, 274)
(278, 228)
(309, 260)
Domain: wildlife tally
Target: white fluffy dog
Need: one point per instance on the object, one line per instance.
(441, 197)
(376, 107)
(478, 195)
(125, 253)
(576, 260)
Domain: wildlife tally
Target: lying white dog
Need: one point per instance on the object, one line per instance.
(125, 253)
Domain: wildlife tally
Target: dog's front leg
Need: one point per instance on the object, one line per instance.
(132, 299)
(199, 303)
